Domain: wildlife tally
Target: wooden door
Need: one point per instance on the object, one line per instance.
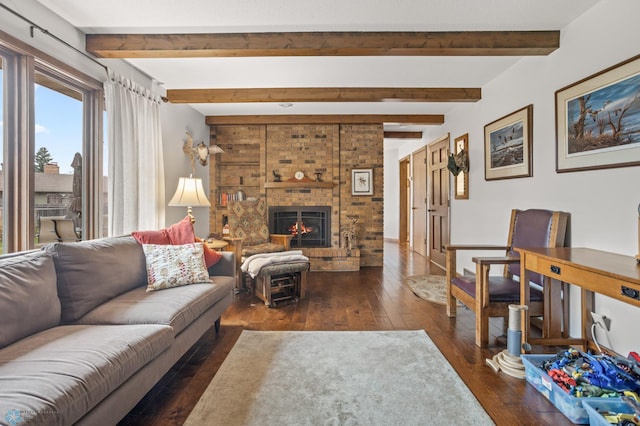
(419, 202)
(405, 200)
(438, 208)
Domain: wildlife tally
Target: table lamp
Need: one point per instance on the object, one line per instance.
(190, 193)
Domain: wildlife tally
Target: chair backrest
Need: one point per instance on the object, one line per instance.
(248, 220)
(66, 230)
(535, 228)
(47, 230)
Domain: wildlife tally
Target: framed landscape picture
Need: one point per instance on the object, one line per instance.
(598, 120)
(461, 185)
(508, 144)
(362, 182)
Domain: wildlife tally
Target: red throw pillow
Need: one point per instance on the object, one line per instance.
(181, 232)
(177, 234)
(151, 237)
(211, 257)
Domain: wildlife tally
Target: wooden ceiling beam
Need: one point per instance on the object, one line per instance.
(324, 94)
(434, 119)
(402, 135)
(361, 43)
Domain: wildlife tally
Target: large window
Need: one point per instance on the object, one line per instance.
(58, 189)
(52, 147)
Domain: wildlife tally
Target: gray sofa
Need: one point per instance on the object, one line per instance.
(82, 341)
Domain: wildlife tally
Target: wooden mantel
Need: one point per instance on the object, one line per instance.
(303, 184)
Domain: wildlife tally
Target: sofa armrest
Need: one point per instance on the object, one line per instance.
(226, 266)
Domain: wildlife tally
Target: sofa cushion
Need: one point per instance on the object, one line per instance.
(91, 272)
(174, 266)
(177, 234)
(181, 232)
(28, 296)
(151, 237)
(211, 256)
(177, 307)
(56, 376)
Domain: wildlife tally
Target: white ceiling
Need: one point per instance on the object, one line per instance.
(187, 16)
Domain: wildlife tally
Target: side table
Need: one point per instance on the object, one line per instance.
(216, 244)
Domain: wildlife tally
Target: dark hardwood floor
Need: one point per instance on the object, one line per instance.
(373, 299)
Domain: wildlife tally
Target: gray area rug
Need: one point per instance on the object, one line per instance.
(429, 287)
(336, 378)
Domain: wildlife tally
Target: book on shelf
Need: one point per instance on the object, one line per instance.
(225, 197)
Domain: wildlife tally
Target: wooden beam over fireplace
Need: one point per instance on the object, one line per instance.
(429, 119)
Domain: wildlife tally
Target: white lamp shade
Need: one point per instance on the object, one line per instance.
(189, 193)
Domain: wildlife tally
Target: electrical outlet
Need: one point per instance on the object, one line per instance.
(601, 320)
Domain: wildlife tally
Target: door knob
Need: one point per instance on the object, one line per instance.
(431, 210)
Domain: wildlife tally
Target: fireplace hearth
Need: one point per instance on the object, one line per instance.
(309, 225)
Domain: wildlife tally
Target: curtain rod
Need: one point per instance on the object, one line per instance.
(33, 26)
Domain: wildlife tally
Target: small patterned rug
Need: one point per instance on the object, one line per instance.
(429, 287)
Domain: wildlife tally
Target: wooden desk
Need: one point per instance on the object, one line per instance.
(594, 271)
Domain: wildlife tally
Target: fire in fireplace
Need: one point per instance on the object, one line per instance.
(293, 229)
(309, 225)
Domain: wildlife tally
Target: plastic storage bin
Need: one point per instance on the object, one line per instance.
(615, 405)
(568, 405)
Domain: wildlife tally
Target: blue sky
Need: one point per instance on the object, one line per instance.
(58, 125)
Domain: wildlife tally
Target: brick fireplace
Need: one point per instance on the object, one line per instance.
(309, 225)
(262, 161)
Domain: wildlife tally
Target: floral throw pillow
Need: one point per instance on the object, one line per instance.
(173, 266)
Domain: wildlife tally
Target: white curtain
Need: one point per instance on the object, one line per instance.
(136, 164)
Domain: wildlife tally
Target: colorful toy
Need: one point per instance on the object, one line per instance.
(584, 374)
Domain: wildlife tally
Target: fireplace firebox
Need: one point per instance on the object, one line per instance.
(309, 225)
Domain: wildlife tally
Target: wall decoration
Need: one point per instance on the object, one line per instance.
(461, 159)
(598, 120)
(508, 146)
(362, 182)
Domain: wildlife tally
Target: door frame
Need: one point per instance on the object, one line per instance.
(405, 198)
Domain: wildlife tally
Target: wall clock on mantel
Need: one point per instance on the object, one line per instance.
(300, 177)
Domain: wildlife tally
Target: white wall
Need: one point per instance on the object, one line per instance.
(603, 203)
(391, 193)
(176, 119)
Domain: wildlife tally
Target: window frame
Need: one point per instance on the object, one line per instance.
(20, 63)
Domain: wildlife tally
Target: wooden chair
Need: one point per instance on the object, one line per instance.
(488, 295)
(249, 232)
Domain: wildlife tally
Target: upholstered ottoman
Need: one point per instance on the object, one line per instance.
(281, 281)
